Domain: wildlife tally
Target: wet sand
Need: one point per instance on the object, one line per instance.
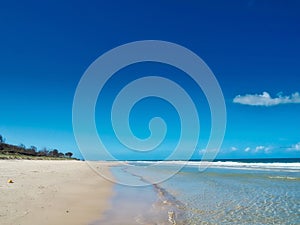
(52, 192)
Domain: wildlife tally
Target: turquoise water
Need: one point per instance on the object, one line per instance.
(225, 193)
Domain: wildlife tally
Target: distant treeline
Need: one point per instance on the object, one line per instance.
(31, 151)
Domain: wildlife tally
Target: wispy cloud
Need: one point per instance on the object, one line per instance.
(265, 149)
(259, 149)
(233, 149)
(295, 147)
(265, 99)
(204, 150)
(247, 149)
(255, 149)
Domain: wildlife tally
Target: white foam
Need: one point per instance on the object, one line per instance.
(293, 167)
(284, 178)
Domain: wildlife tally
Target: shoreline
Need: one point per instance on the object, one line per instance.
(149, 204)
(53, 192)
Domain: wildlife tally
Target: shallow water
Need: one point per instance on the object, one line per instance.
(136, 205)
(219, 195)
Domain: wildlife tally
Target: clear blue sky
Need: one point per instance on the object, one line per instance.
(251, 46)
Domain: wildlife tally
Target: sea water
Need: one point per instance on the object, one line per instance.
(224, 193)
(134, 204)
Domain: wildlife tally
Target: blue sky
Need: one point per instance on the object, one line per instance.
(252, 47)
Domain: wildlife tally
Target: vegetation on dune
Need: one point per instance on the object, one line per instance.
(9, 151)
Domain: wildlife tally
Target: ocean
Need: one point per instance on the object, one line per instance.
(260, 191)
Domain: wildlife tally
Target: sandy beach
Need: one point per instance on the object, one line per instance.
(52, 192)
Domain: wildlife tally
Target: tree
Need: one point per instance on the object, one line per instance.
(69, 154)
(43, 152)
(33, 148)
(1, 142)
(55, 152)
(22, 146)
(32, 151)
(2, 139)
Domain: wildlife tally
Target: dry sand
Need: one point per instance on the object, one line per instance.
(52, 192)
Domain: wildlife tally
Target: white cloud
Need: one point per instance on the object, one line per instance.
(208, 151)
(247, 149)
(265, 99)
(233, 149)
(295, 147)
(202, 151)
(261, 148)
